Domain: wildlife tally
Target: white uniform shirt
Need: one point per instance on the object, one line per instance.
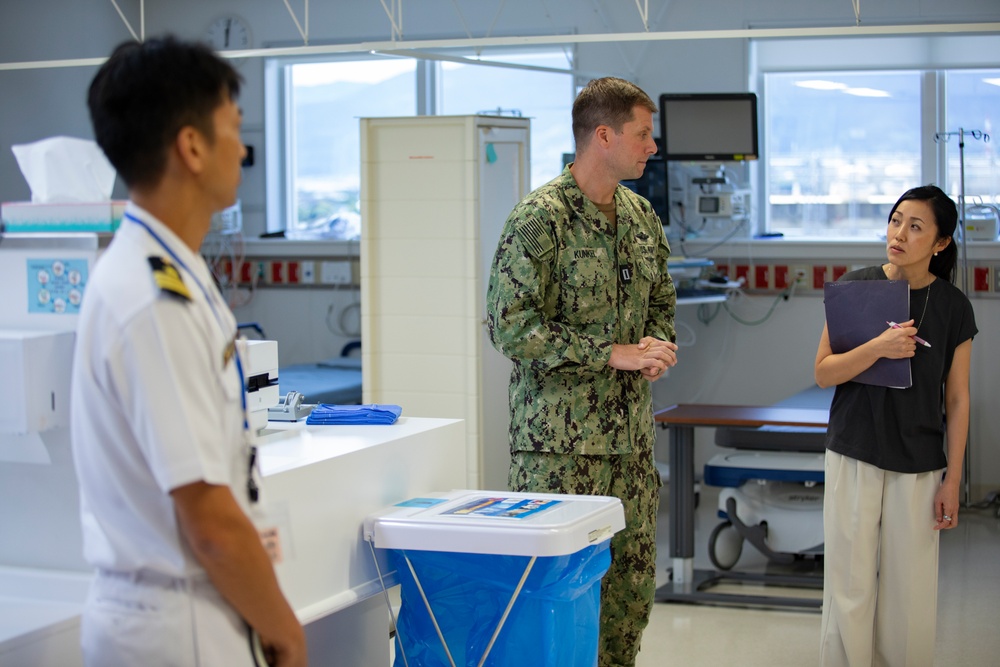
(155, 402)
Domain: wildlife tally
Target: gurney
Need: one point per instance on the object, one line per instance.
(772, 488)
(335, 381)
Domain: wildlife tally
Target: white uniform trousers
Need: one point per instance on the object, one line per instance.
(156, 621)
(880, 566)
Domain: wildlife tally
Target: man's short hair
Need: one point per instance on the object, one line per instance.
(608, 101)
(146, 92)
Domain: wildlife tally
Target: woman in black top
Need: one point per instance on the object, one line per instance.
(890, 484)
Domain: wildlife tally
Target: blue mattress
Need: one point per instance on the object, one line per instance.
(335, 381)
(740, 467)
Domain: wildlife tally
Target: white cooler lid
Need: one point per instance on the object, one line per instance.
(505, 523)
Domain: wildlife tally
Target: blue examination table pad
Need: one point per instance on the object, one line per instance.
(336, 381)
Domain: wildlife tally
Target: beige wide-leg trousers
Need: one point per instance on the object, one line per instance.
(880, 566)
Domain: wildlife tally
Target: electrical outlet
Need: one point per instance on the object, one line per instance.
(981, 279)
(293, 273)
(335, 273)
(819, 276)
(781, 276)
(246, 273)
(277, 273)
(308, 273)
(743, 273)
(762, 276)
(797, 274)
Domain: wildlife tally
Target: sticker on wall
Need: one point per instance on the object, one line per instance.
(56, 285)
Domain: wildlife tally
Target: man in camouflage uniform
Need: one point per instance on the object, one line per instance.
(580, 300)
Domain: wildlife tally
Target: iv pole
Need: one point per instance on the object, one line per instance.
(976, 134)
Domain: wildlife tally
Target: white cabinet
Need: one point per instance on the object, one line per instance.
(435, 192)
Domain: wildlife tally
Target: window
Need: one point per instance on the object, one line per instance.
(325, 101)
(544, 95)
(314, 107)
(841, 147)
(972, 102)
(849, 127)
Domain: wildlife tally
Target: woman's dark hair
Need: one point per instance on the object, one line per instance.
(946, 220)
(146, 92)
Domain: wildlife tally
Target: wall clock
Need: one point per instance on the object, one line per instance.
(228, 33)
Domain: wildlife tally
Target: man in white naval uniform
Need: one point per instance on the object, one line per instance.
(157, 393)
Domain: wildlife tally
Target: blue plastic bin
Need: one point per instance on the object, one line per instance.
(554, 621)
(470, 552)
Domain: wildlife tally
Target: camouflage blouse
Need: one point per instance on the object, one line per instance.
(565, 284)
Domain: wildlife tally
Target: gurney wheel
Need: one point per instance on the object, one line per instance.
(725, 545)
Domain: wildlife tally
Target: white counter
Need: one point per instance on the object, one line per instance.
(317, 485)
(40, 616)
(320, 484)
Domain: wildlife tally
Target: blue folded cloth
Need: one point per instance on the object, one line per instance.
(372, 413)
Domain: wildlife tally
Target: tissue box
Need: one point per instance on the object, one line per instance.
(67, 217)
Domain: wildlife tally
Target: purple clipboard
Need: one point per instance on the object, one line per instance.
(856, 312)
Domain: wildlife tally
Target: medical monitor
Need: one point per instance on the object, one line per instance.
(708, 127)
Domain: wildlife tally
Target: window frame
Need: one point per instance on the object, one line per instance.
(279, 133)
(932, 55)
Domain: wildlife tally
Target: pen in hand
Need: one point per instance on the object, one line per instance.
(916, 338)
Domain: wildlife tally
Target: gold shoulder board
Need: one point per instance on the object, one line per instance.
(168, 278)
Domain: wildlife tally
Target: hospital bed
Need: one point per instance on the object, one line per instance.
(335, 381)
(772, 488)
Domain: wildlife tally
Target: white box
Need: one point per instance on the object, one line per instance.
(262, 379)
(35, 367)
(982, 223)
(497, 522)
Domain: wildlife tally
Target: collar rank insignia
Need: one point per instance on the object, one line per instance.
(168, 278)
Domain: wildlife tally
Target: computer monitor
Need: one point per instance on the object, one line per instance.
(708, 127)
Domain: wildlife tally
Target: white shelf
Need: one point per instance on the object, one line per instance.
(695, 300)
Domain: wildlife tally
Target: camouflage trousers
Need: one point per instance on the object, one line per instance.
(628, 588)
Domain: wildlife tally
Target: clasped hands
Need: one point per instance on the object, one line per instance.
(650, 356)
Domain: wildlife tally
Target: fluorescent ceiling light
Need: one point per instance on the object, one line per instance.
(994, 82)
(820, 84)
(866, 92)
(350, 71)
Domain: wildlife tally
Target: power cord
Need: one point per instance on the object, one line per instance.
(784, 295)
(342, 328)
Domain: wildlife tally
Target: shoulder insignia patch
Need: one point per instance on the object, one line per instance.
(534, 237)
(168, 278)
